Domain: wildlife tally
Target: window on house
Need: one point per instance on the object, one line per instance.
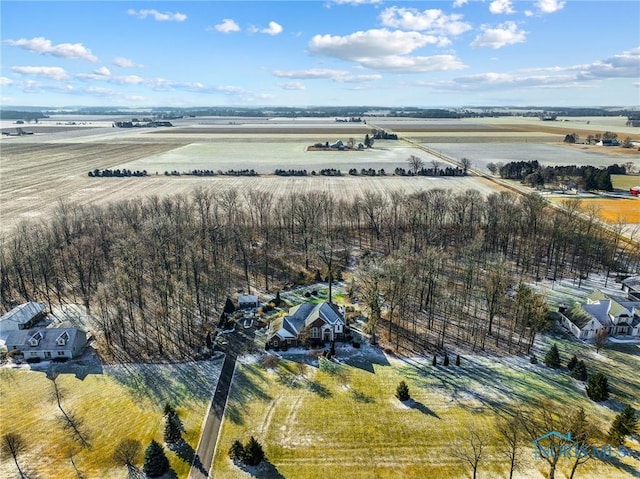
(33, 353)
(60, 353)
(314, 333)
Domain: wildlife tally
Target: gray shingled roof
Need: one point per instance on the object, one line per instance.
(24, 313)
(48, 341)
(632, 282)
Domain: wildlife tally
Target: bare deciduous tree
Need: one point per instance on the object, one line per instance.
(14, 445)
(600, 339)
(127, 453)
(415, 163)
(511, 437)
(472, 448)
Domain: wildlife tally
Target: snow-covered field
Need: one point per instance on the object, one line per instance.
(481, 154)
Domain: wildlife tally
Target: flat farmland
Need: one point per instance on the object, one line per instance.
(37, 171)
(610, 209)
(265, 155)
(481, 154)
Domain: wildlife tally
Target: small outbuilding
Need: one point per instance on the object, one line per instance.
(248, 301)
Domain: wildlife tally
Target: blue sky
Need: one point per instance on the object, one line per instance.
(332, 52)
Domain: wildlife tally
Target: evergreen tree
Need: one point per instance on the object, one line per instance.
(236, 452)
(435, 360)
(579, 371)
(229, 306)
(598, 388)
(172, 428)
(168, 409)
(458, 360)
(624, 424)
(155, 461)
(402, 391)
(572, 362)
(208, 340)
(445, 362)
(253, 452)
(534, 359)
(552, 358)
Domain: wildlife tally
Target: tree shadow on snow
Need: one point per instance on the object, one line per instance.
(184, 451)
(264, 470)
(367, 359)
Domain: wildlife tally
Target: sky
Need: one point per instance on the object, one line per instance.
(452, 53)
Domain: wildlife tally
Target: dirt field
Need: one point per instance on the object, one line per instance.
(39, 170)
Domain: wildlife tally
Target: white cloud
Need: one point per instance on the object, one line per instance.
(63, 50)
(501, 7)
(158, 16)
(103, 71)
(624, 65)
(502, 35)
(294, 85)
(273, 29)
(419, 64)
(340, 76)
(123, 62)
(459, 3)
(311, 74)
(104, 74)
(227, 26)
(549, 6)
(431, 20)
(368, 44)
(53, 73)
(385, 50)
(4, 81)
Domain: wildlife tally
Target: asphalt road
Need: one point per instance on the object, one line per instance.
(203, 459)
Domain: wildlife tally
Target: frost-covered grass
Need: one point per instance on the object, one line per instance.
(122, 402)
(344, 420)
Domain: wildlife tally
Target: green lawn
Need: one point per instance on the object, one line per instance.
(346, 422)
(122, 402)
(625, 182)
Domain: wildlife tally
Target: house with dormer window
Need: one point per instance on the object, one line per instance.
(617, 315)
(317, 323)
(47, 343)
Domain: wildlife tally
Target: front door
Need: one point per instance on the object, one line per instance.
(47, 354)
(326, 335)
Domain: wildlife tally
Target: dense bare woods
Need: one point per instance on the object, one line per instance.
(432, 268)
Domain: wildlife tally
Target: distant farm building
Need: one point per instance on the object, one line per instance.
(635, 191)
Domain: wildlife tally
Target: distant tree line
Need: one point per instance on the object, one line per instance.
(245, 172)
(367, 172)
(280, 172)
(382, 135)
(448, 171)
(588, 177)
(120, 173)
(21, 115)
